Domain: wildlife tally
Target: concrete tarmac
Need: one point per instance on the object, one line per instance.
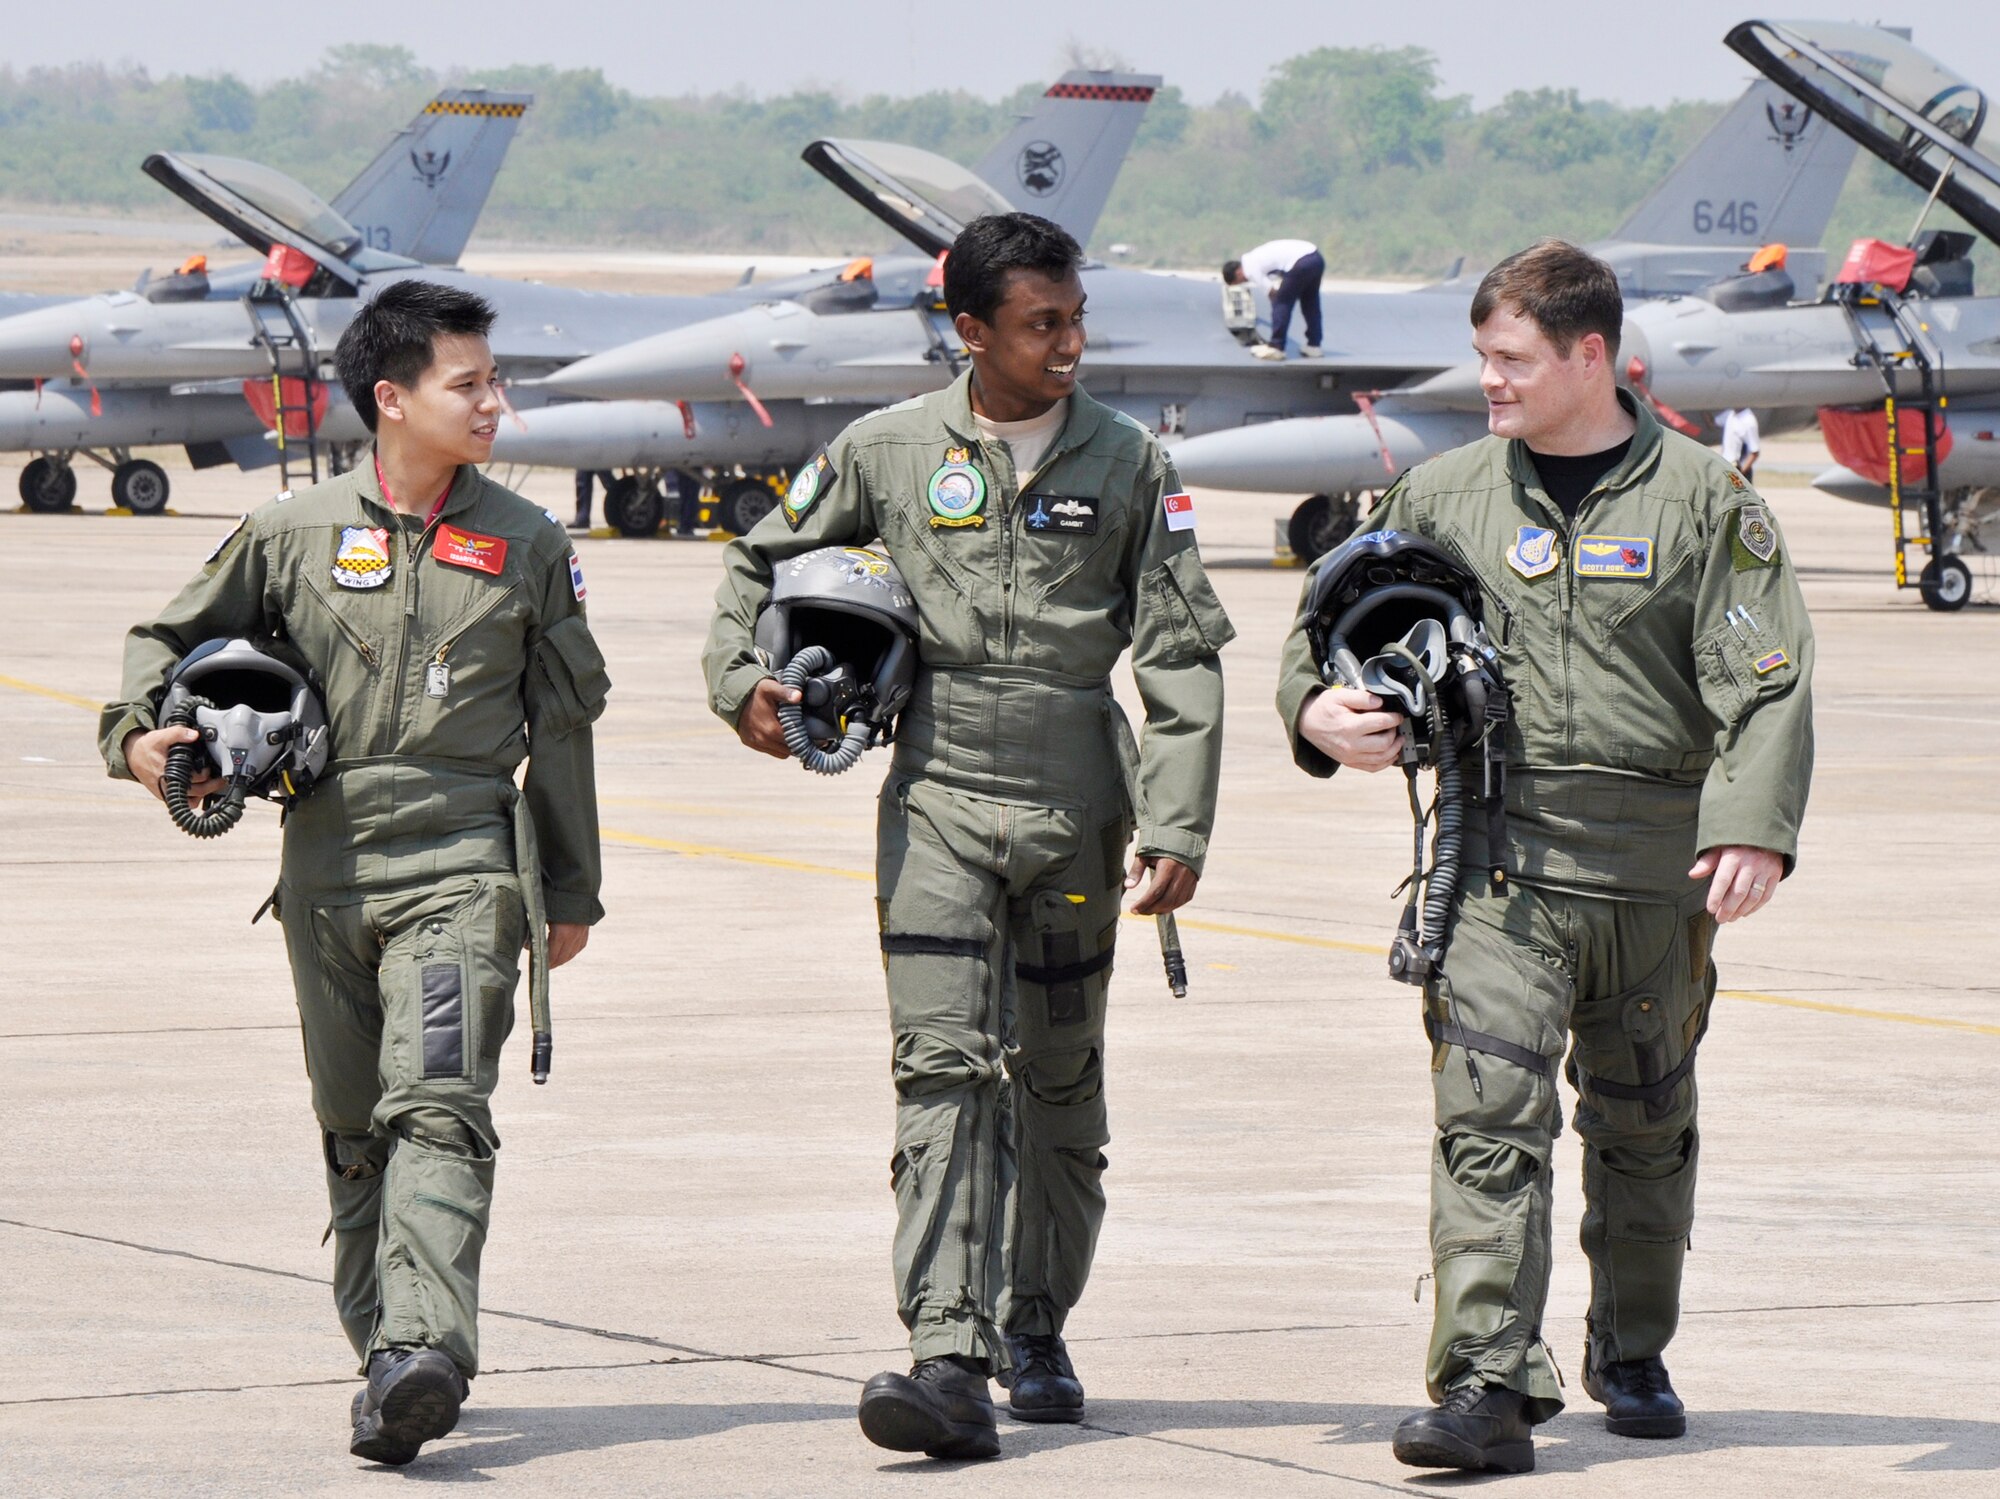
(688, 1274)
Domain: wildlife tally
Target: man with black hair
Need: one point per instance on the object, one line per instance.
(1651, 631)
(443, 617)
(1041, 533)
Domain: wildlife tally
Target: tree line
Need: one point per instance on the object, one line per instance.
(1357, 149)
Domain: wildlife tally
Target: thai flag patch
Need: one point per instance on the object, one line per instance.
(576, 577)
(1180, 512)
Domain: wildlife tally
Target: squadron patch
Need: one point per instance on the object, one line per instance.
(808, 484)
(957, 491)
(362, 560)
(1755, 543)
(1614, 557)
(1069, 515)
(1533, 552)
(221, 545)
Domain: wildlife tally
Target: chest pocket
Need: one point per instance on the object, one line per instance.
(1050, 559)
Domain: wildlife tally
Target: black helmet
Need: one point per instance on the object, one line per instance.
(1394, 614)
(262, 721)
(841, 626)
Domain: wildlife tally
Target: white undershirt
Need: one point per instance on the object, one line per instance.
(1028, 442)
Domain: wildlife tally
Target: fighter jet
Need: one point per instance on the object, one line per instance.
(419, 197)
(320, 266)
(1158, 349)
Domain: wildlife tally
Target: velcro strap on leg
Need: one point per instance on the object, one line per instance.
(1450, 1034)
(1640, 1092)
(908, 943)
(1068, 973)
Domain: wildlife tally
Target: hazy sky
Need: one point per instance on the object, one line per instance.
(1638, 54)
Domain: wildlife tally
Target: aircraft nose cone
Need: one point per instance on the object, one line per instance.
(707, 361)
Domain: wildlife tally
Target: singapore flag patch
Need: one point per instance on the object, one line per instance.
(1180, 512)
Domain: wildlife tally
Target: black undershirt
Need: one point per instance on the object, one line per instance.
(1569, 479)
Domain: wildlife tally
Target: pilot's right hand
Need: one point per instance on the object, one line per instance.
(757, 725)
(1346, 725)
(146, 757)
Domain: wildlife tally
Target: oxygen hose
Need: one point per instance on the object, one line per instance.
(792, 718)
(179, 775)
(1440, 886)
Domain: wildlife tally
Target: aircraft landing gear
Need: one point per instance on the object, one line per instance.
(140, 485)
(639, 509)
(1320, 524)
(48, 486)
(743, 504)
(1946, 584)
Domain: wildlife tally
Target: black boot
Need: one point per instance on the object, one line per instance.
(1637, 1396)
(941, 1408)
(1478, 1426)
(413, 1397)
(1041, 1382)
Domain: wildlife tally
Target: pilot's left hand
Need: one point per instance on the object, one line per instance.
(1172, 884)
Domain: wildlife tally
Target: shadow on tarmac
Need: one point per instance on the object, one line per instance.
(508, 1436)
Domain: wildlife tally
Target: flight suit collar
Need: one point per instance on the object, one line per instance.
(1085, 417)
(1635, 467)
(464, 487)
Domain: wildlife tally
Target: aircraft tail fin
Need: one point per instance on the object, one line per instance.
(1062, 160)
(421, 196)
(1768, 172)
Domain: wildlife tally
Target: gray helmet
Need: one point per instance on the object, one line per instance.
(842, 627)
(262, 721)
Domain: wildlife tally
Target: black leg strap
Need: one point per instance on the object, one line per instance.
(1068, 973)
(1643, 1092)
(1452, 1034)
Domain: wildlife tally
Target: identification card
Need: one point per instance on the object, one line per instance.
(437, 679)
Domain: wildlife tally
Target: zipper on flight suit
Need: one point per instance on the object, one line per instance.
(460, 631)
(418, 549)
(340, 622)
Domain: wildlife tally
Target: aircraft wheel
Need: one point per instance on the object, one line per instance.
(639, 514)
(48, 487)
(1946, 584)
(140, 485)
(616, 493)
(743, 504)
(1319, 525)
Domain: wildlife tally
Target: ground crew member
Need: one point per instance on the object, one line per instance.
(1741, 443)
(1651, 629)
(1041, 533)
(1291, 270)
(444, 618)
(1239, 303)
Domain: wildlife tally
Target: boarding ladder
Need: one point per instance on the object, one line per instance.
(1896, 343)
(281, 331)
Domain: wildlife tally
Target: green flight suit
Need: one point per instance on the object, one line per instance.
(1005, 817)
(1660, 660)
(448, 652)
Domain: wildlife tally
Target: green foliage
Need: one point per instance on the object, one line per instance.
(1354, 148)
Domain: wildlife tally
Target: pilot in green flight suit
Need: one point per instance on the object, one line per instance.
(444, 618)
(1040, 533)
(1651, 630)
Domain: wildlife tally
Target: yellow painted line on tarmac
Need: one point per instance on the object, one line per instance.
(1855, 1012)
(1195, 924)
(40, 691)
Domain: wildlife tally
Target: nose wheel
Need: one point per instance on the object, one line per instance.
(1320, 524)
(48, 487)
(1946, 584)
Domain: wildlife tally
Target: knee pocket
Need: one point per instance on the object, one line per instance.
(354, 1157)
(444, 1131)
(1063, 1078)
(1656, 1208)
(924, 1064)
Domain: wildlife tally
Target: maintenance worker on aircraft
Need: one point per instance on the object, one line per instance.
(1650, 627)
(443, 617)
(1041, 534)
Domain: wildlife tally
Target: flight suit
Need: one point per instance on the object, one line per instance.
(412, 873)
(1660, 661)
(1005, 816)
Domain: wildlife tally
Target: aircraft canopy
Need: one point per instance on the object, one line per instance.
(918, 193)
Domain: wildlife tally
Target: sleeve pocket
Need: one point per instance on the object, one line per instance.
(1736, 671)
(567, 680)
(1192, 621)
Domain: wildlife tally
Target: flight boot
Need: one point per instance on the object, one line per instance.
(1040, 1381)
(413, 1397)
(941, 1408)
(1637, 1396)
(1477, 1427)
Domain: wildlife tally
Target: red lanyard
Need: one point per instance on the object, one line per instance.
(436, 505)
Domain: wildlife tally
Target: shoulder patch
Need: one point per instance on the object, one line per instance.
(1753, 540)
(809, 485)
(1180, 511)
(553, 518)
(223, 545)
(576, 578)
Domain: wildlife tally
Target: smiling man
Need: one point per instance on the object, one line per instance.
(1650, 626)
(1041, 534)
(443, 618)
